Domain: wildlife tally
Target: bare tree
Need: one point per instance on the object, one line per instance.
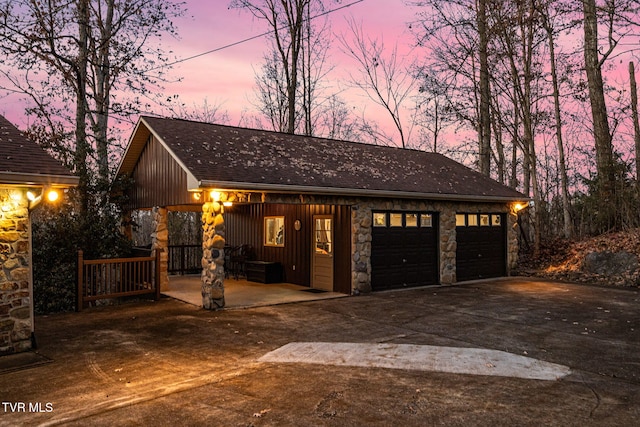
(291, 61)
(316, 47)
(546, 21)
(337, 121)
(436, 109)
(484, 153)
(70, 55)
(601, 132)
(449, 33)
(273, 93)
(205, 112)
(384, 78)
(518, 36)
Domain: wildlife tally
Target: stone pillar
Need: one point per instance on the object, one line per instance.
(16, 289)
(361, 223)
(213, 234)
(160, 240)
(448, 245)
(512, 241)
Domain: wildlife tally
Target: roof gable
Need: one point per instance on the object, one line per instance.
(22, 161)
(238, 158)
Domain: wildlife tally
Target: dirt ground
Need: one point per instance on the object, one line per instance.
(168, 363)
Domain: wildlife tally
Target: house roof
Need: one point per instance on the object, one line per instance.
(229, 157)
(24, 162)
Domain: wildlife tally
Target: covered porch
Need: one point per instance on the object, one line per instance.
(243, 294)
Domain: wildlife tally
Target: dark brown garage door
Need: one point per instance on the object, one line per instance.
(404, 250)
(481, 246)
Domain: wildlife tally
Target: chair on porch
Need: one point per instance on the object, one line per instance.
(235, 258)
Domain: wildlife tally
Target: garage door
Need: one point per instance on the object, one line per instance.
(404, 250)
(481, 246)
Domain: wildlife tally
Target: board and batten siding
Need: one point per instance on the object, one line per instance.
(158, 180)
(245, 225)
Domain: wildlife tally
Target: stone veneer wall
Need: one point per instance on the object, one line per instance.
(361, 222)
(160, 241)
(16, 318)
(213, 241)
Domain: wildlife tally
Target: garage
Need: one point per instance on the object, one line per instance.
(404, 250)
(481, 246)
(392, 212)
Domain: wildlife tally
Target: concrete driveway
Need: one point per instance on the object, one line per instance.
(169, 363)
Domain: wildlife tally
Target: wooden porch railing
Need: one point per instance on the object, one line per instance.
(185, 259)
(117, 277)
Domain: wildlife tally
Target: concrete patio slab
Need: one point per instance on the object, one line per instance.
(244, 294)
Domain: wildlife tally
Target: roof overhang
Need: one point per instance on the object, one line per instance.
(25, 179)
(351, 192)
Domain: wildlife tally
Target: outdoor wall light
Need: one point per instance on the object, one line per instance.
(215, 196)
(522, 205)
(52, 195)
(197, 196)
(227, 204)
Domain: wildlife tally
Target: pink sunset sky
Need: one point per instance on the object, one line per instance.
(226, 77)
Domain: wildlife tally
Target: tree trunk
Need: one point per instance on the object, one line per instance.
(484, 152)
(295, 16)
(500, 159)
(566, 207)
(102, 71)
(82, 147)
(636, 123)
(601, 131)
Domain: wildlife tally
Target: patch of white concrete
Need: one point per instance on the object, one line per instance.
(472, 361)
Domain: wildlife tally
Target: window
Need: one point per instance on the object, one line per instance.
(396, 219)
(426, 220)
(379, 219)
(411, 220)
(274, 231)
(403, 219)
(323, 236)
(475, 220)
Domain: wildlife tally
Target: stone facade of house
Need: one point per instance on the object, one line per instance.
(16, 314)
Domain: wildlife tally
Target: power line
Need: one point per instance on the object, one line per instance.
(227, 46)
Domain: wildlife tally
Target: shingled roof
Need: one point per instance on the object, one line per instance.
(22, 161)
(238, 158)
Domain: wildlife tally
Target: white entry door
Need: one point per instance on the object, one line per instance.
(322, 257)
